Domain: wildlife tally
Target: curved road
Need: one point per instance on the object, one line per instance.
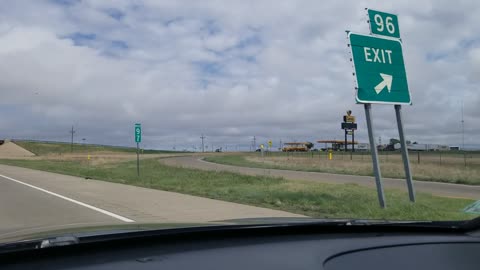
(434, 188)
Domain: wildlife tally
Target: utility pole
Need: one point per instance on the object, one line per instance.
(203, 147)
(254, 143)
(463, 131)
(71, 145)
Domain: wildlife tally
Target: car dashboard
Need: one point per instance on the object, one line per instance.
(262, 249)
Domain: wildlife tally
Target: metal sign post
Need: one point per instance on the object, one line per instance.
(373, 149)
(403, 146)
(349, 126)
(353, 140)
(138, 161)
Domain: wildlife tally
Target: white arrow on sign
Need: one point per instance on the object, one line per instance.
(387, 81)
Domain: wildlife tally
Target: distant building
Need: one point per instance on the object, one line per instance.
(424, 147)
(339, 145)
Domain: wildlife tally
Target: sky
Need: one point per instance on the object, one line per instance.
(231, 70)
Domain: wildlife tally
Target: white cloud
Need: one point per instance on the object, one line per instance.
(265, 68)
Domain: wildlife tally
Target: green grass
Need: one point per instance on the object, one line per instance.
(308, 198)
(391, 166)
(44, 148)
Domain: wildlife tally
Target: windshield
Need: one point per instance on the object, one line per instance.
(196, 113)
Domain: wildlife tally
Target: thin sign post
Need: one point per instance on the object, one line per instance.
(373, 149)
(138, 139)
(353, 140)
(405, 158)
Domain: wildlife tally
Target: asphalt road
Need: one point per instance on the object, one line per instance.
(34, 201)
(435, 188)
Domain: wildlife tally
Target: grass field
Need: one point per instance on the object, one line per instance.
(46, 148)
(308, 198)
(451, 170)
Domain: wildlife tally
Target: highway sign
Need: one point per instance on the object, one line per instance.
(351, 126)
(384, 24)
(138, 133)
(379, 69)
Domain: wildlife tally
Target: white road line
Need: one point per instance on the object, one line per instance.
(72, 200)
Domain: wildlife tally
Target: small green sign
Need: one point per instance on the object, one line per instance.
(384, 24)
(379, 69)
(138, 133)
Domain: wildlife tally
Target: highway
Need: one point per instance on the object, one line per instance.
(434, 188)
(34, 201)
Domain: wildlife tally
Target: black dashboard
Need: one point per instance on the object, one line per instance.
(262, 249)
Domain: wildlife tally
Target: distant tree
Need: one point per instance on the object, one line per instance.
(414, 143)
(394, 141)
(309, 145)
(409, 142)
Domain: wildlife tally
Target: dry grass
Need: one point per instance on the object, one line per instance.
(450, 170)
(302, 197)
(96, 158)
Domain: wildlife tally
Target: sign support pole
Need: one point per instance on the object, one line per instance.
(353, 140)
(403, 146)
(346, 148)
(138, 161)
(373, 149)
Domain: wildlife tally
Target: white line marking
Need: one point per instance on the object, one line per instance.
(72, 200)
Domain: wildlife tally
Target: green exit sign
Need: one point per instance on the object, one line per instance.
(138, 133)
(379, 69)
(384, 24)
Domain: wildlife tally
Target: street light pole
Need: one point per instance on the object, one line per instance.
(203, 147)
(71, 144)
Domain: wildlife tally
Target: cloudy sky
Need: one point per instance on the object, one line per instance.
(278, 70)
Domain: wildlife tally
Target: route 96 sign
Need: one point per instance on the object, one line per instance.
(384, 24)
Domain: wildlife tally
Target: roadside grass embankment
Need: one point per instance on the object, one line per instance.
(49, 148)
(302, 197)
(450, 171)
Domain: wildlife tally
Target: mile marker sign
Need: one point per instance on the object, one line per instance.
(380, 70)
(138, 133)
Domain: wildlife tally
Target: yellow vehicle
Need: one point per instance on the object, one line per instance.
(296, 147)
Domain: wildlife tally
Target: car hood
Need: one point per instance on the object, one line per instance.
(112, 229)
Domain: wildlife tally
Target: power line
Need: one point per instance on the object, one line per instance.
(463, 130)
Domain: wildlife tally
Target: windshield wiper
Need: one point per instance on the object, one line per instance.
(58, 241)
